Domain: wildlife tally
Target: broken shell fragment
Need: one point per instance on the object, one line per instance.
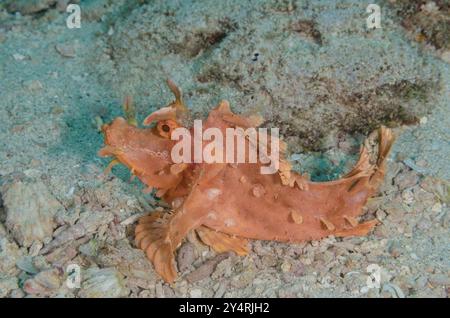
(102, 283)
(87, 224)
(30, 209)
(44, 283)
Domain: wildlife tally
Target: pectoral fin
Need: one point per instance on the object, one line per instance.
(222, 242)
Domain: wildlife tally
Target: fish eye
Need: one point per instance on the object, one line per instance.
(165, 128)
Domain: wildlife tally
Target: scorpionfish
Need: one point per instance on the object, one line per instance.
(228, 203)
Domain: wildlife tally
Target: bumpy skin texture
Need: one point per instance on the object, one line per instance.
(229, 203)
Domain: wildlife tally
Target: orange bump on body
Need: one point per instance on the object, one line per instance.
(351, 220)
(296, 217)
(258, 190)
(327, 224)
(213, 193)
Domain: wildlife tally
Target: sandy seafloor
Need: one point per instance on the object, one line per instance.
(311, 68)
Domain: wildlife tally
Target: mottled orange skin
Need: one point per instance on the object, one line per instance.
(229, 203)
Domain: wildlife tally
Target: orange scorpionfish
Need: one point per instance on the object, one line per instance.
(227, 204)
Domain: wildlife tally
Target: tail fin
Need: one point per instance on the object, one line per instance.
(386, 140)
(364, 168)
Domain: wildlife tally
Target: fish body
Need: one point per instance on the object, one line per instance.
(228, 203)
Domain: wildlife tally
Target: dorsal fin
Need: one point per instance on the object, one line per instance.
(176, 110)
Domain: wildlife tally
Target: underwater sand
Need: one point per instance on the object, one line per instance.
(309, 67)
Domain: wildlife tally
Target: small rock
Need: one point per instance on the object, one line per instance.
(408, 197)
(269, 260)
(286, 267)
(424, 224)
(66, 50)
(421, 282)
(206, 269)
(415, 166)
(394, 290)
(306, 261)
(159, 290)
(380, 215)
(437, 207)
(61, 256)
(326, 257)
(223, 269)
(90, 248)
(88, 223)
(57, 110)
(395, 249)
(446, 56)
(244, 279)
(221, 290)
(440, 279)
(26, 264)
(111, 31)
(185, 256)
(196, 293)
(406, 179)
(259, 248)
(297, 268)
(35, 248)
(61, 5)
(44, 283)
(422, 163)
(29, 7)
(30, 209)
(19, 57)
(9, 255)
(17, 293)
(102, 283)
(430, 7)
(146, 294)
(41, 263)
(168, 292)
(33, 85)
(7, 284)
(130, 261)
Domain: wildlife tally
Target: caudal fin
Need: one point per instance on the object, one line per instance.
(386, 140)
